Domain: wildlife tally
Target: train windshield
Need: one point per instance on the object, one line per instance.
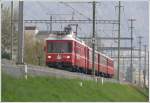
(59, 47)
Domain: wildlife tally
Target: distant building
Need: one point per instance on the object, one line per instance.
(45, 34)
(42, 34)
(136, 77)
(31, 30)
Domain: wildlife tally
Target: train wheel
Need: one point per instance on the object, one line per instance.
(80, 70)
(69, 69)
(96, 73)
(73, 69)
(89, 71)
(101, 74)
(108, 75)
(86, 71)
(105, 75)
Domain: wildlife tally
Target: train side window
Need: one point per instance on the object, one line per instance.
(69, 47)
(103, 60)
(110, 63)
(90, 55)
(50, 47)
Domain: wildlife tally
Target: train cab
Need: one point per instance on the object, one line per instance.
(59, 52)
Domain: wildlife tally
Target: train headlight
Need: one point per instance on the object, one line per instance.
(49, 57)
(68, 57)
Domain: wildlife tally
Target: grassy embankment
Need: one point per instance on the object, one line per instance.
(59, 89)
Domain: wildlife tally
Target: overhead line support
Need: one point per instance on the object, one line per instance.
(93, 42)
(131, 69)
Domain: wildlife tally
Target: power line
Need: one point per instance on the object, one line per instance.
(67, 5)
(42, 6)
(134, 36)
(83, 21)
(33, 12)
(107, 38)
(125, 18)
(51, 19)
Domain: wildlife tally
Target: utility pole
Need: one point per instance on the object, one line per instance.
(51, 23)
(111, 52)
(93, 41)
(148, 68)
(76, 29)
(123, 66)
(131, 73)
(119, 16)
(144, 71)
(73, 13)
(20, 34)
(140, 38)
(76, 25)
(11, 30)
(51, 20)
(1, 6)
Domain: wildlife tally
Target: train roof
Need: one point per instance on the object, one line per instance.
(71, 36)
(101, 53)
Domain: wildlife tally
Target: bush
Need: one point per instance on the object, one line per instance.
(33, 52)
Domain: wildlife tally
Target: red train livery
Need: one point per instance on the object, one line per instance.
(63, 50)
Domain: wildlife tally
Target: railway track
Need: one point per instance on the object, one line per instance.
(19, 71)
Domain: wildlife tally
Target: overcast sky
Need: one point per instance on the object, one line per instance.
(105, 10)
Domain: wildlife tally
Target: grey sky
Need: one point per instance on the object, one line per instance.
(104, 10)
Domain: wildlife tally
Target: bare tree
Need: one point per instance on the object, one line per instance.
(6, 31)
(34, 50)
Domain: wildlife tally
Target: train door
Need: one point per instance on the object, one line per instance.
(75, 52)
(107, 66)
(77, 55)
(100, 62)
(87, 59)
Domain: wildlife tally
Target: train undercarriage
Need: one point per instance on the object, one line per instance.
(68, 66)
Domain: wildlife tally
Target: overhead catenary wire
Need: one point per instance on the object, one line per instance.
(67, 5)
(127, 23)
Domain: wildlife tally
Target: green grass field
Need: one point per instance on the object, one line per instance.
(59, 89)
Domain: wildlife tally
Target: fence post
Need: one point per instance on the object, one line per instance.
(26, 69)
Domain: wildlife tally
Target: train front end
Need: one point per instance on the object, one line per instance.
(59, 53)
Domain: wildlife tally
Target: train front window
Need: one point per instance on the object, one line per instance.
(59, 47)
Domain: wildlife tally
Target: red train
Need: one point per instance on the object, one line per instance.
(63, 50)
